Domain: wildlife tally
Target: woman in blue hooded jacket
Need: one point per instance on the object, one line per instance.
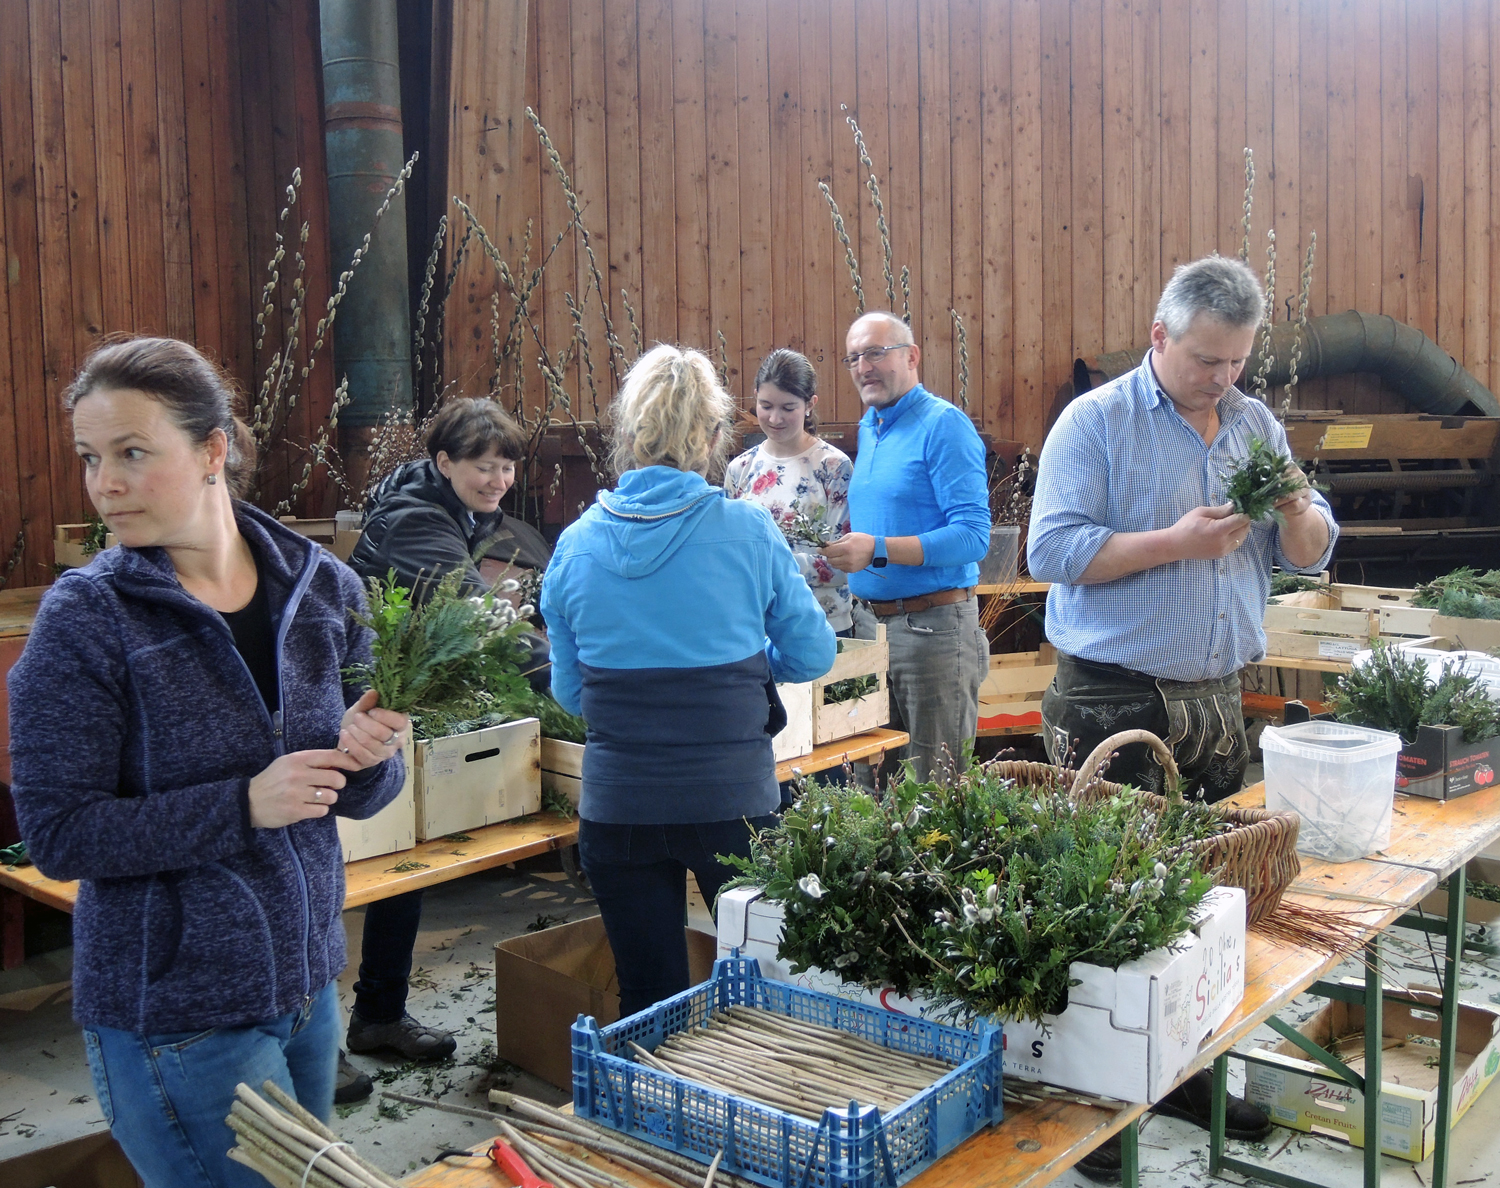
(181, 730)
(672, 610)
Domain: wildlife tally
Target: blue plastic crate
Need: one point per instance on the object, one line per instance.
(849, 1148)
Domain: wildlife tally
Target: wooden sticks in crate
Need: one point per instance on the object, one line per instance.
(798, 1067)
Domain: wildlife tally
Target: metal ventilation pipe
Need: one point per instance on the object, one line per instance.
(1430, 379)
(362, 132)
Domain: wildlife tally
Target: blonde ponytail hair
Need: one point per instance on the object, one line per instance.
(671, 411)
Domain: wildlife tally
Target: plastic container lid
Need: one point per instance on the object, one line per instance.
(1330, 742)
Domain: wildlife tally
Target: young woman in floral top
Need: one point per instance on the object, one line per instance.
(797, 476)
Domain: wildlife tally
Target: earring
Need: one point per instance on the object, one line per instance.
(212, 479)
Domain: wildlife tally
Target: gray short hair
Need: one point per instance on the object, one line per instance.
(1223, 287)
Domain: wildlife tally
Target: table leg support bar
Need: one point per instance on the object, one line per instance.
(1457, 890)
(1374, 1033)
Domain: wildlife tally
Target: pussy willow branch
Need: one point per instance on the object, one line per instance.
(1249, 204)
(872, 182)
(843, 234)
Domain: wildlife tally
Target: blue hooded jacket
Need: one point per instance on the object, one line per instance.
(670, 609)
(135, 729)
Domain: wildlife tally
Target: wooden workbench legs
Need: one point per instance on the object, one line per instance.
(1130, 1154)
(1374, 1049)
(1372, 997)
(1457, 891)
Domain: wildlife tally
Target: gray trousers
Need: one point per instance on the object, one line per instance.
(939, 658)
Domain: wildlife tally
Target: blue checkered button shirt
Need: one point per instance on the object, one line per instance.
(1123, 459)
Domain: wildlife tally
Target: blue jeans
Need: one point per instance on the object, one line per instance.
(639, 878)
(166, 1096)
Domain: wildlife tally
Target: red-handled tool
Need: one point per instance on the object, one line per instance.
(507, 1159)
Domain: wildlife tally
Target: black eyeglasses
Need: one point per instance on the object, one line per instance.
(873, 354)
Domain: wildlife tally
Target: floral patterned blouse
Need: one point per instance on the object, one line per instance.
(814, 484)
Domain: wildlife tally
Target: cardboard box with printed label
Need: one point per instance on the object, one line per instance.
(480, 778)
(392, 828)
(1303, 1095)
(545, 980)
(1126, 1033)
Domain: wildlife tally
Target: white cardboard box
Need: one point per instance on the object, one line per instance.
(1302, 1095)
(465, 781)
(796, 738)
(392, 828)
(1126, 1033)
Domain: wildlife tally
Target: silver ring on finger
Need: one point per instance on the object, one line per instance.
(317, 793)
(395, 734)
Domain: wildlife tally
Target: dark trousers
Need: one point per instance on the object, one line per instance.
(639, 878)
(1201, 721)
(385, 957)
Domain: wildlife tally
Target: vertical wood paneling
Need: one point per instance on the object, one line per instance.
(753, 118)
(1044, 167)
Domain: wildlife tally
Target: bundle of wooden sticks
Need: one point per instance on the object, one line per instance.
(799, 1067)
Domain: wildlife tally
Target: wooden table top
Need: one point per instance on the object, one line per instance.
(18, 609)
(1435, 835)
(870, 745)
(377, 878)
(1038, 1141)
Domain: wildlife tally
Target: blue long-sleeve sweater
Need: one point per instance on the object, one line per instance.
(135, 729)
(670, 608)
(920, 472)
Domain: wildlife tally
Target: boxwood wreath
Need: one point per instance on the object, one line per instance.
(979, 893)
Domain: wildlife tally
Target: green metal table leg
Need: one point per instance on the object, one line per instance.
(1374, 1032)
(1218, 1114)
(1457, 890)
(1130, 1155)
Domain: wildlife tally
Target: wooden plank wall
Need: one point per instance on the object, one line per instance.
(144, 150)
(1043, 166)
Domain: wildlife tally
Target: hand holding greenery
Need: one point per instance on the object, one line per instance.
(1261, 481)
(980, 893)
(454, 663)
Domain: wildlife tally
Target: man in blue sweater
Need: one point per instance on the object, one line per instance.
(919, 515)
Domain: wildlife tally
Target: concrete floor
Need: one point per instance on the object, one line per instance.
(46, 1096)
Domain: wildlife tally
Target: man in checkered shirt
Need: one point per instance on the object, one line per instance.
(1159, 589)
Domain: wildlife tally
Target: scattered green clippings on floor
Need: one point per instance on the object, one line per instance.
(544, 922)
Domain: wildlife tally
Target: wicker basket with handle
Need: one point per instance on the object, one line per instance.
(1258, 854)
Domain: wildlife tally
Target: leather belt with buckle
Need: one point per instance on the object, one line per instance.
(909, 606)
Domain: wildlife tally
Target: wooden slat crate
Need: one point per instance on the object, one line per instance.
(1010, 699)
(67, 545)
(481, 778)
(562, 768)
(858, 657)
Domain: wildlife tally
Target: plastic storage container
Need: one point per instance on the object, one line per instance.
(854, 1148)
(1341, 780)
(999, 565)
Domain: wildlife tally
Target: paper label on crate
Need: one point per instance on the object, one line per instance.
(440, 761)
(1346, 437)
(1337, 649)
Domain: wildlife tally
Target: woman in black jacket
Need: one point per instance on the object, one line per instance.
(426, 519)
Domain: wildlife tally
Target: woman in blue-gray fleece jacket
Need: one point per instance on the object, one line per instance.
(179, 732)
(672, 610)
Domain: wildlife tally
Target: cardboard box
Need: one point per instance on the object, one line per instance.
(337, 540)
(392, 828)
(1440, 765)
(93, 1161)
(1304, 1095)
(1484, 869)
(545, 980)
(480, 778)
(562, 769)
(1126, 1033)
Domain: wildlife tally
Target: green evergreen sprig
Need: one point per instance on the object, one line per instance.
(1261, 481)
(979, 893)
(1464, 593)
(430, 659)
(1395, 691)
